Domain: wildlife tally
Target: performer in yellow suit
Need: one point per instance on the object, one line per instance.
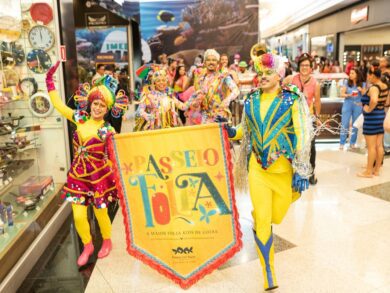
(90, 179)
(276, 130)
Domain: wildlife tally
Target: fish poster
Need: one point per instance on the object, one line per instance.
(177, 198)
(186, 28)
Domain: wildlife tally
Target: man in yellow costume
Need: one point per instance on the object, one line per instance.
(276, 131)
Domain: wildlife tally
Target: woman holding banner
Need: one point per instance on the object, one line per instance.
(90, 179)
(276, 131)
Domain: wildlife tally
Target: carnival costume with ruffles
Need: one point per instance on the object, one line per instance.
(276, 130)
(158, 109)
(215, 87)
(90, 179)
(218, 90)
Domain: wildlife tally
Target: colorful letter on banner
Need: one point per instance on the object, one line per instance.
(177, 199)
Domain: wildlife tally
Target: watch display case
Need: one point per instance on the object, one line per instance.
(34, 151)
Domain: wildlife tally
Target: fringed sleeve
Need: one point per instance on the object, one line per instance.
(241, 164)
(303, 128)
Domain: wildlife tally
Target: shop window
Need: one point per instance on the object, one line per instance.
(33, 156)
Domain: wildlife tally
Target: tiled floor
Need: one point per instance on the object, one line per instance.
(336, 238)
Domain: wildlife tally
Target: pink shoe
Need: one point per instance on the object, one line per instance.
(84, 256)
(106, 248)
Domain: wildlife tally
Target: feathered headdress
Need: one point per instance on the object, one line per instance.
(103, 89)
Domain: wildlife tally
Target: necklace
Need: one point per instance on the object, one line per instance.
(302, 85)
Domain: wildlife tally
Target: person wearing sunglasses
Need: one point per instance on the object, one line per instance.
(275, 131)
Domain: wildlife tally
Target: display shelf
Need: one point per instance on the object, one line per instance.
(27, 225)
(22, 218)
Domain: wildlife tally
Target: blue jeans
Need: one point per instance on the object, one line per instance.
(350, 110)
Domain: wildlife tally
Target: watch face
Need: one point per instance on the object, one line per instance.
(11, 77)
(28, 86)
(40, 37)
(7, 59)
(40, 105)
(26, 25)
(38, 61)
(15, 51)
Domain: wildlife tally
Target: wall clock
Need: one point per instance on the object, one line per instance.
(40, 104)
(38, 61)
(28, 86)
(41, 37)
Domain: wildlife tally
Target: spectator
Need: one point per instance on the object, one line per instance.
(374, 116)
(99, 72)
(236, 60)
(336, 67)
(171, 71)
(349, 65)
(163, 59)
(180, 84)
(352, 92)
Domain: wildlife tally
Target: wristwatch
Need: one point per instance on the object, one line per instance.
(28, 86)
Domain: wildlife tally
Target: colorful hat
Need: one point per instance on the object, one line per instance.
(211, 52)
(103, 89)
(270, 61)
(243, 64)
(159, 73)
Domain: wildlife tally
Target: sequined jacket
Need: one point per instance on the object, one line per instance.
(285, 130)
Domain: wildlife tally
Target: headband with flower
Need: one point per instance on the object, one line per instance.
(270, 61)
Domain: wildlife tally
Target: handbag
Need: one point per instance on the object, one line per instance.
(359, 122)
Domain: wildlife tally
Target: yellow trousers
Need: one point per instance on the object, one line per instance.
(271, 195)
(80, 217)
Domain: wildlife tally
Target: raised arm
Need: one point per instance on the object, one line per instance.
(55, 98)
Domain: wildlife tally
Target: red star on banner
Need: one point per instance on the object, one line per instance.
(127, 168)
(208, 204)
(219, 176)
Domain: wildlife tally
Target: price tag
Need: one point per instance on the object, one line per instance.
(63, 53)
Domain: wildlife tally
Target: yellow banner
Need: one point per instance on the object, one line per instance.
(177, 198)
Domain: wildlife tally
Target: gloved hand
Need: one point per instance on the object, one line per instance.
(230, 130)
(299, 183)
(49, 77)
